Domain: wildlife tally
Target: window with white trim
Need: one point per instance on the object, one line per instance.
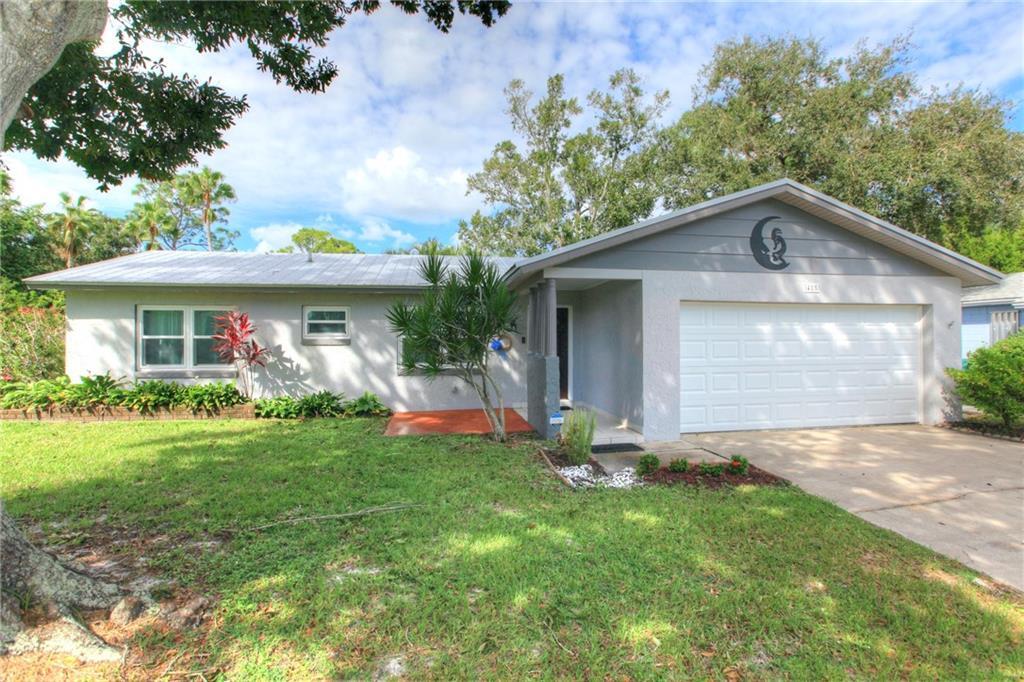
(177, 337)
(325, 322)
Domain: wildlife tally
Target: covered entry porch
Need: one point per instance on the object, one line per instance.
(585, 351)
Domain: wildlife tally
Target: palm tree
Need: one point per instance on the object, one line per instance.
(147, 221)
(207, 189)
(69, 225)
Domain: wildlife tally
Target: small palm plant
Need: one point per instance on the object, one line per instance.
(451, 326)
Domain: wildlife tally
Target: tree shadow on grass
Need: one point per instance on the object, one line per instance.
(502, 572)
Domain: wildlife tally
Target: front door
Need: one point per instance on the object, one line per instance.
(562, 346)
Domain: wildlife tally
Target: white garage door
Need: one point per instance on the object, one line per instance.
(765, 366)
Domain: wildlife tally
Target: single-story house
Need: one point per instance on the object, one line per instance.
(773, 307)
(991, 313)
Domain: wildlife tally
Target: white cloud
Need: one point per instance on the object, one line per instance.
(41, 182)
(395, 183)
(377, 231)
(276, 236)
(273, 237)
(413, 111)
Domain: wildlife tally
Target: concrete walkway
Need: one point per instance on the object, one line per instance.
(959, 494)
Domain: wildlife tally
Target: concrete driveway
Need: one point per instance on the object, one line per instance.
(959, 494)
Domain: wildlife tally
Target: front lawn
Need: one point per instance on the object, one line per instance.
(501, 572)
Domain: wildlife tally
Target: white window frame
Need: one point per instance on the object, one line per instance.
(307, 309)
(188, 337)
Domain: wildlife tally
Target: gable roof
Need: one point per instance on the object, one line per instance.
(1009, 291)
(793, 193)
(247, 270)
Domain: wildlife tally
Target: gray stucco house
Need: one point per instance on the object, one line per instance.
(774, 307)
(991, 313)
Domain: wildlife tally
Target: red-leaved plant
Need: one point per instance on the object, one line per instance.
(236, 345)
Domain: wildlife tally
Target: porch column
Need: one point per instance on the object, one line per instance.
(551, 317)
(531, 322)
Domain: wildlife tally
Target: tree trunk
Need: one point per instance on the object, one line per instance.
(32, 575)
(497, 422)
(29, 571)
(33, 34)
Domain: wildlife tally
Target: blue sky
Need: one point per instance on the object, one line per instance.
(381, 158)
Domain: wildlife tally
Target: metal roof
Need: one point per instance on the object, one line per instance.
(229, 270)
(793, 193)
(383, 271)
(1010, 290)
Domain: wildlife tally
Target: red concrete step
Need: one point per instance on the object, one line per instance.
(437, 422)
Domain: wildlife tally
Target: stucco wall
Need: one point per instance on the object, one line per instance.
(607, 349)
(101, 338)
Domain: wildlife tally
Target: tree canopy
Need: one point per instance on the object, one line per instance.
(943, 165)
(126, 114)
(189, 210)
(313, 240)
(561, 187)
(858, 128)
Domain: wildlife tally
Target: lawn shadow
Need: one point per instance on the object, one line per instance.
(501, 571)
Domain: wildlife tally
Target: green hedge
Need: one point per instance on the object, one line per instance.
(150, 396)
(993, 380)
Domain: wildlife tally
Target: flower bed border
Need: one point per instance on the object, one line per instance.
(104, 413)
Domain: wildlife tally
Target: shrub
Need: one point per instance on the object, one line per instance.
(678, 466)
(647, 464)
(211, 397)
(739, 465)
(31, 344)
(149, 396)
(993, 380)
(282, 407)
(320, 404)
(366, 405)
(707, 469)
(578, 435)
(42, 394)
(93, 391)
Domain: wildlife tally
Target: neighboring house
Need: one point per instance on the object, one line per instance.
(991, 313)
(769, 308)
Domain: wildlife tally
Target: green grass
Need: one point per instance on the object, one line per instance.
(502, 572)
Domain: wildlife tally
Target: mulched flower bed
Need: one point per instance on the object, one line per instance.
(692, 476)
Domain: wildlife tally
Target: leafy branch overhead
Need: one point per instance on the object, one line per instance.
(126, 114)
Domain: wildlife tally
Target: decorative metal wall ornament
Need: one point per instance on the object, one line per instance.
(768, 252)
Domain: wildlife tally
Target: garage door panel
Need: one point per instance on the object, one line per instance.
(757, 366)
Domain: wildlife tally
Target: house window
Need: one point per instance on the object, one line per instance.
(1003, 323)
(325, 322)
(177, 337)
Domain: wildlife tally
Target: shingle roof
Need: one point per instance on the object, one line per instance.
(219, 269)
(1010, 290)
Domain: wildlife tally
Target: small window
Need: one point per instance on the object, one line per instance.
(325, 322)
(204, 326)
(163, 338)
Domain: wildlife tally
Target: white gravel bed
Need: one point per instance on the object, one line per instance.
(584, 476)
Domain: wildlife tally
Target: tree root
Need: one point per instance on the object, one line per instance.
(350, 515)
